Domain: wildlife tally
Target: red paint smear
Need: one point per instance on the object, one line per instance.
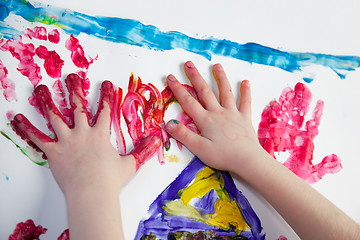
(24, 52)
(77, 53)
(60, 99)
(282, 238)
(116, 116)
(7, 84)
(65, 235)
(75, 86)
(10, 114)
(54, 36)
(45, 104)
(143, 110)
(280, 131)
(52, 64)
(37, 32)
(27, 231)
(145, 150)
(86, 82)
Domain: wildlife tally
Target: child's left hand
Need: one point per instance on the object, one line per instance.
(82, 156)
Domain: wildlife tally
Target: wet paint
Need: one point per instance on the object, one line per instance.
(280, 131)
(143, 110)
(7, 84)
(135, 33)
(29, 231)
(201, 200)
(24, 52)
(145, 150)
(52, 61)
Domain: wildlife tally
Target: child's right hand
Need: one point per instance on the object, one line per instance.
(227, 138)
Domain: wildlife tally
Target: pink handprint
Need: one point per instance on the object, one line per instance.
(280, 131)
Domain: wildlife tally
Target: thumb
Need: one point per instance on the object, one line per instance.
(181, 133)
(145, 150)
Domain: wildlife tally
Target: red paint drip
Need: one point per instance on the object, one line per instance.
(24, 52)
(52, 64)
(282, 238)
(7, 84)
(27, 231)
(54, 36)
(77, 53)
(37, 32)
(145, 150)
(280, 131)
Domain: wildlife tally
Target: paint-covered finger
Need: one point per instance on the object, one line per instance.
(102, 118)
(50, 111)
(189, 104)
(206, 96)
(227, 98)
(78, 103)
(29, 133)
(145, 150)
(245, 98)
(188, 138)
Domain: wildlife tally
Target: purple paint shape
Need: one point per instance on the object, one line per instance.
(160, 224)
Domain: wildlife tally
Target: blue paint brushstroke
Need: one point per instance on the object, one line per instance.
(160, 224)
(135, 33)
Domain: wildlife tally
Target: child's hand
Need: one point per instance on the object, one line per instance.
(227, 135)
(82, 156)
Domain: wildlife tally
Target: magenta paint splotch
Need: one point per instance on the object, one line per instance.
(37, 33)
(27, 231)
(52, 61)
(24, 52)
(54, 36)
(77, 53)
(280, 131)
(7, 84)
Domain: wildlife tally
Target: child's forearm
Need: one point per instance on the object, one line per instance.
(94, 215)
(310, 214)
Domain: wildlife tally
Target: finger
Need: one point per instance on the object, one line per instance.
(189, 104)
(50, 111)
(227, 98)
(206, 96)
(188, 138)
(102, 118)
(145, 150)
(78, 103)
(33, 136)
(245, 99)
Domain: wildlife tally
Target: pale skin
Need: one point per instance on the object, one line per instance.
(228, 141)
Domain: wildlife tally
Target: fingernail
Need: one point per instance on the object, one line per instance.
(218, 67)
(246, 83)
(170, 126)
(171, 78)
(189, 64)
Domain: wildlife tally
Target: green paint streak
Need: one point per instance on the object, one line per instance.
(27, 151)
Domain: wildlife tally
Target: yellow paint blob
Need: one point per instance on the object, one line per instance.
(227, 212)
